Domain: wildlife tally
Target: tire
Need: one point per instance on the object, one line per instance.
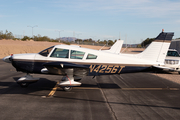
(179, 72)
(24, 85)
(67, 89)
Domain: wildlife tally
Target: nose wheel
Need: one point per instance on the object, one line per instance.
(23, 85)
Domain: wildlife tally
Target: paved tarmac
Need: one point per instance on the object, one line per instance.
(137, 96)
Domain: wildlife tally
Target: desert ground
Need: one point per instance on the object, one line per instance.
(8, 47)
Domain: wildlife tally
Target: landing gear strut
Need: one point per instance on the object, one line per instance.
(68, 81)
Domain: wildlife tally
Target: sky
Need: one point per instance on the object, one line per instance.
(129, 20)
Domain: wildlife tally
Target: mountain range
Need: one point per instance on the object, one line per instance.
(69, 39)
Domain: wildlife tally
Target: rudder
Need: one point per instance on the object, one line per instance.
(157, 50)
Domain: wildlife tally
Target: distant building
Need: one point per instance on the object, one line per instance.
(175, 44)
(130, 45)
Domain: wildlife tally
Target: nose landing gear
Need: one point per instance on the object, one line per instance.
(23, 84)
(26, 80)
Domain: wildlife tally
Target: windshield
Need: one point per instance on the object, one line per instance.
(173, 53)
(46, 51)
(60, 53)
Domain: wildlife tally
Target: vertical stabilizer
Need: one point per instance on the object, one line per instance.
(157, 50)
(116, 48)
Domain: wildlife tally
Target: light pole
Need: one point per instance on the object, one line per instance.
(93, 37)
(32, 29)
(59, 34)
(78, 36)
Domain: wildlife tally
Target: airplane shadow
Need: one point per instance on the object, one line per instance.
(45, 84)
(117, 103)
(14, 88)
(102, 85)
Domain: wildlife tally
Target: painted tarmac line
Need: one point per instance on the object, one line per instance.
(90, 88)
(96, 88)
(52, 91)
(149, 88)
(87, 88)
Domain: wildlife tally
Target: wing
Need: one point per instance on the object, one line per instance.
(62, 68)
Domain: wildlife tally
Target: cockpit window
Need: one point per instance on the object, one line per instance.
(77, 54)
(173, 53)
(46, 51)
(91, 56)
(60, 53)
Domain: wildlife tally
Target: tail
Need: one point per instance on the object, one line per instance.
(116, 48)
(157, 50)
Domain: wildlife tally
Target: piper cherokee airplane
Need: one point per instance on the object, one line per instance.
(74, 62)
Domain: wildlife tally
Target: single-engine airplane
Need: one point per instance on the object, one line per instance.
(74, 62)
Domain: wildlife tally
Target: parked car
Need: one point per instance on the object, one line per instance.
(172, 60)
(173, 53)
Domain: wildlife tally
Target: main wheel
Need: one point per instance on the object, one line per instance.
(179, 72)
(67, 89)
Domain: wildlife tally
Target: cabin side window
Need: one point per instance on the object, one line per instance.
(91, 56)
(60, 53)
(77, 54)
(46, 51)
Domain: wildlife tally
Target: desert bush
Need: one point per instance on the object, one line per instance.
(6, 35)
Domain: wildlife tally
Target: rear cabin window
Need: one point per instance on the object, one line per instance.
(46, 51)
(60, 53)
(91, 56)
(77, 54)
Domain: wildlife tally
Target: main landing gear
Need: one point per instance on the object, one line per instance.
(67, 88)
(67, 83)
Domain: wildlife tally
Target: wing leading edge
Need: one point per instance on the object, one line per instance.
(61, 68)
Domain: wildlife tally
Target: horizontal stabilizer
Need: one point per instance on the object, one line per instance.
(167, 68)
